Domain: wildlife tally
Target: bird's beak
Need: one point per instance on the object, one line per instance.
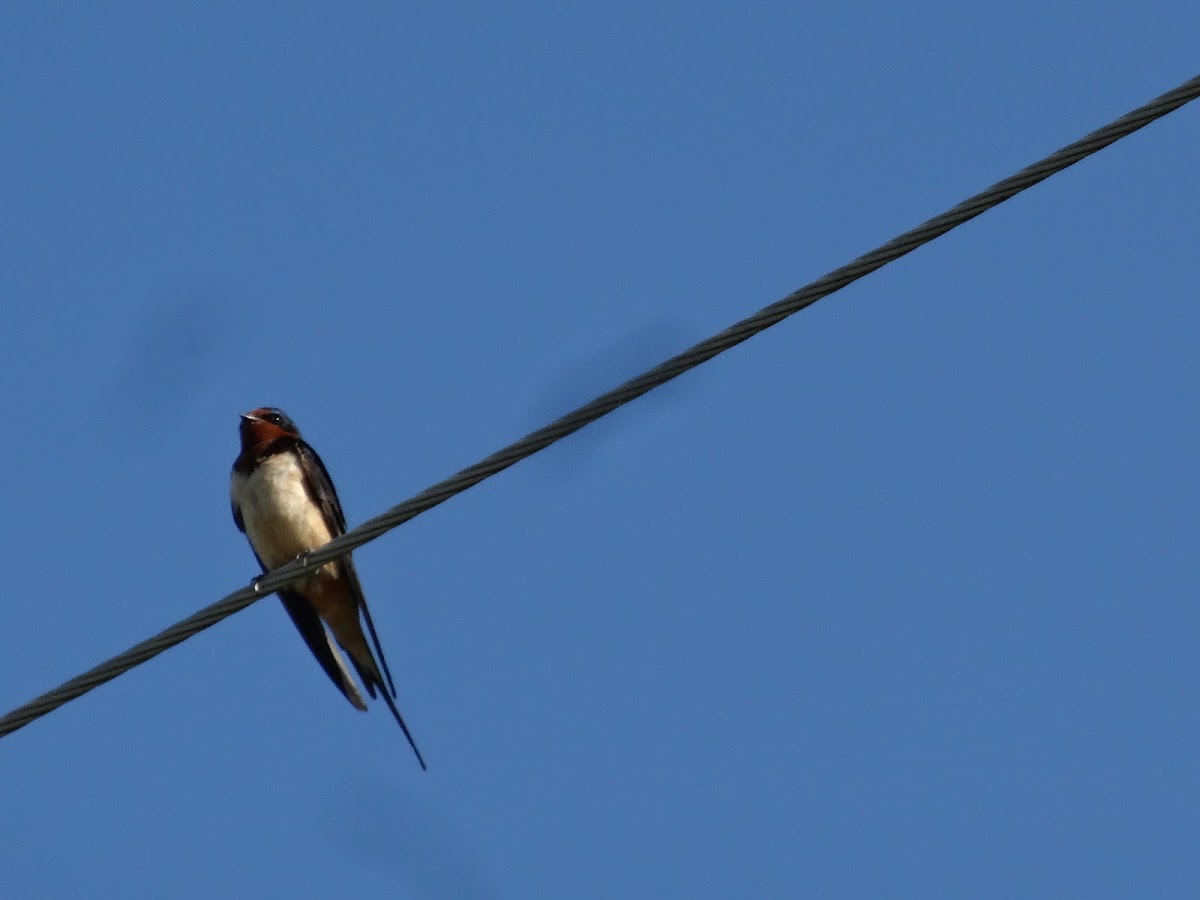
(246, 417)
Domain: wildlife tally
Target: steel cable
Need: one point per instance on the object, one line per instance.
(604, 404)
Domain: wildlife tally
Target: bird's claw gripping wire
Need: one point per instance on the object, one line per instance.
(256, 582)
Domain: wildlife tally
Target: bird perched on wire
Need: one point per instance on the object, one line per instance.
(284, 502)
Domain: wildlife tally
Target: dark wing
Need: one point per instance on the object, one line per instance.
(320, 488)
(308, 623)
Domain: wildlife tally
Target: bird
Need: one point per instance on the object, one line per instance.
(283, 500)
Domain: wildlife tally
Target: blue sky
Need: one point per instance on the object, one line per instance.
(894, 600)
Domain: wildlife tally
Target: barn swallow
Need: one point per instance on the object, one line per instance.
(285, 504)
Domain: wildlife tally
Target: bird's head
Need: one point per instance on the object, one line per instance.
(265, 424)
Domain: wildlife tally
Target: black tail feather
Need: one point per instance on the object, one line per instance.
(408, 734)
(366, 614)
(370, 679)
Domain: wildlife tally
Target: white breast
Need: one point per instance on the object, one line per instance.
(281, 520)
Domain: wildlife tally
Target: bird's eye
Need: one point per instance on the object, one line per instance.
(273, 418)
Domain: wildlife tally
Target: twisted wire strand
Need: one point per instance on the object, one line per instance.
(604, 404)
